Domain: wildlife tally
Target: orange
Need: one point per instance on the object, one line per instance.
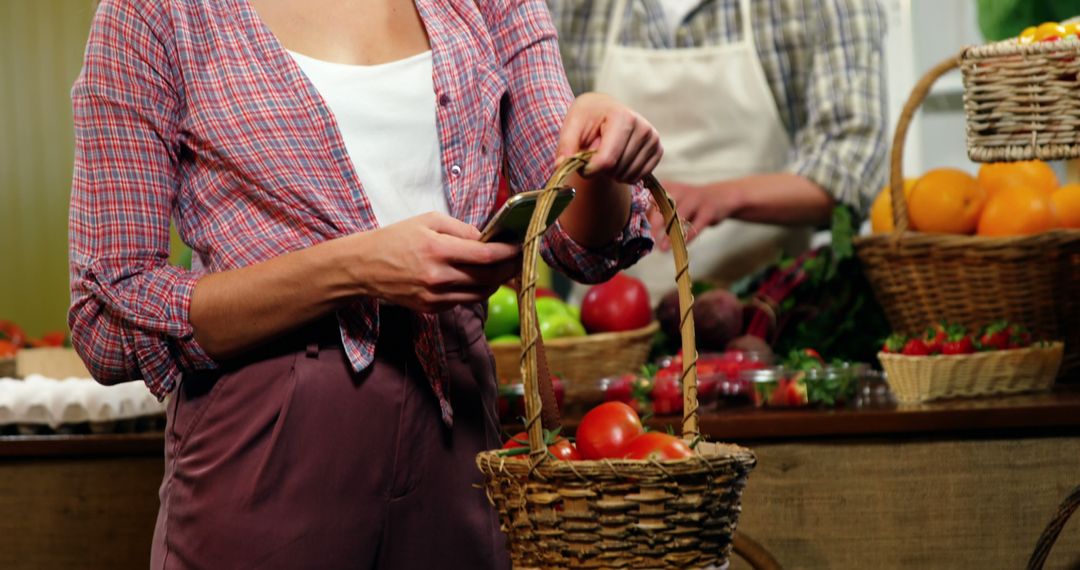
(1034, 173)
(946, 200)
(1066, 202)
(1017, 210)
(881, 218)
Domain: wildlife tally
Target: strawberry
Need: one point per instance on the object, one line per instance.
(894, 343)
(915, 347)
(936, 335)
(962, 345)
(995, 336)
(1019, 337)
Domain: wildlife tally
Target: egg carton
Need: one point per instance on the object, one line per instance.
(39, 405)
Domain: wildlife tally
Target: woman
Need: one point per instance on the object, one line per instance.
(329, 163)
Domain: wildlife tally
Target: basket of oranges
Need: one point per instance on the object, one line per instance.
(1022, 95)
(972, 250)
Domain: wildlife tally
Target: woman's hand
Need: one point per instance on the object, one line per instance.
(431, 262)
(627, 148)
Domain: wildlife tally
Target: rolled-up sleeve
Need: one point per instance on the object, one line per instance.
(538, 98)
(129, 307)
(842, 146)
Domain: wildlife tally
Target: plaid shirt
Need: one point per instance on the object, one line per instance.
(191, 110)
(822, 59)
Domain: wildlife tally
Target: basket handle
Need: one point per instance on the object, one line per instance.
(527, 303)
(1050, 534)
(896, 162)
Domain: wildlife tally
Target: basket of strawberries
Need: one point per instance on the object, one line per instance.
(948, 361)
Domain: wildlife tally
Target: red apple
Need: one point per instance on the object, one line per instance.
(620, 304)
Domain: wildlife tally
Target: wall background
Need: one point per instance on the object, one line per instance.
(41, 47)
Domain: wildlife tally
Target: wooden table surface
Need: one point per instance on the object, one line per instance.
(1015, 414)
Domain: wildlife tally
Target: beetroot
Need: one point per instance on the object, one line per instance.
(718, 318)
(750, 343)
(667, 312)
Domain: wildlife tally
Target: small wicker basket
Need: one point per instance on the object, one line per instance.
(7, 366)
(1022, 101)
(922, 278)
(615, 513)
(922, 378)
(583, 358)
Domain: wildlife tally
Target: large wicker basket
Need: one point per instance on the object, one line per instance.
(921, 278)
(583, 358)
(615, 513)
(1022, 101)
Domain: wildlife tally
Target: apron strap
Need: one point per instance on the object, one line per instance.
(618, 14)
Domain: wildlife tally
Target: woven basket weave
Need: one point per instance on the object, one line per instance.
(923, 378)
(1022, 101)
(922, 278)
(583, 358)
(7, 366)
(615, 513)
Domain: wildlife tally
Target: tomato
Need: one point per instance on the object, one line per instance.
(606, 429)
(542, 292)
(12, 332)
(617, 305)
(7, 348)
(563, 449)
(655, 446)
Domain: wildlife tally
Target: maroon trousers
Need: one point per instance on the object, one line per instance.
(292, 460)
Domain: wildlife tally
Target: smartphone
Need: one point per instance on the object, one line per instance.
(512, 220)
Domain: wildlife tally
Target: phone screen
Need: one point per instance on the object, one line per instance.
(512, 220)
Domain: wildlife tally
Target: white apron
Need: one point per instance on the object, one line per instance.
(717, 120)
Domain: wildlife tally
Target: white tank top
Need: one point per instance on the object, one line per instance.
(386, 116)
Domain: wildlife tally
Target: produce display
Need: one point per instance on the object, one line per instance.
(1049, 32)
(1005, 199)
(953, 339)
(619, 304)
(805, 379)
(13, 338)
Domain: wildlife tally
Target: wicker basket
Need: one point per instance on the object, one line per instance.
(7, 366)
(1022, 101)
(923, 378)
(615, 513)
(583, 358)
(922, 278)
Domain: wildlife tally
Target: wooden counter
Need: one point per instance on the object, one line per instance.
(958, 484)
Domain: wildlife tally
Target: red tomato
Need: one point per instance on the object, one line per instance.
(7, 348)
(606, 429)
(545, 292)
(562, 449)
(12, 332)
(657, 446)
(620, 304)
(54, 338)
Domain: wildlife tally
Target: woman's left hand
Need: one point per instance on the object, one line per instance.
(627, 146)
(700, 206)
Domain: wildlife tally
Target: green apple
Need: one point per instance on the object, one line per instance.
(548, 306)
(575, 311)
(502, 317)
(506, 339)
(560, 326)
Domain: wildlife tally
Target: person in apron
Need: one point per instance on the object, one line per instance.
(751, 183)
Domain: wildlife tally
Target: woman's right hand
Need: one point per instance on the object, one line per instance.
(431, 262)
